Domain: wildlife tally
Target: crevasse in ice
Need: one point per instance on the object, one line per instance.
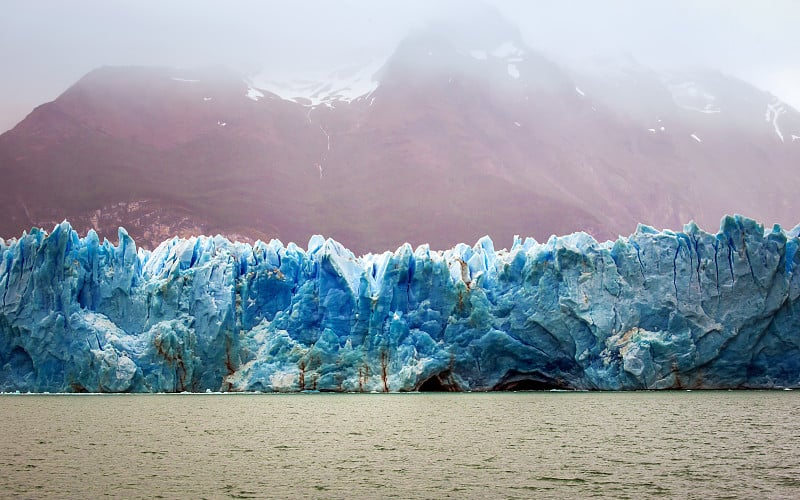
(654, 310)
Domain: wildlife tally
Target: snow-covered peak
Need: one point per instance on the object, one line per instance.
(324, 87)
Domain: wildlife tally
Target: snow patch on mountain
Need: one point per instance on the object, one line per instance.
(691, 96)
(774, 110)
(658, 128)
(344, 84)
(254, 94)
(513, 71)
(507, 49)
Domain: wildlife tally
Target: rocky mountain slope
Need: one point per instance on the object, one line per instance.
(462, 132)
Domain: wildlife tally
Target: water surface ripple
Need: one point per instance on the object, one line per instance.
(498, 445)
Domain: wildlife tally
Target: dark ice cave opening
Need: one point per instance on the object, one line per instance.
(441, 382)
(528, 385)
(536, 381)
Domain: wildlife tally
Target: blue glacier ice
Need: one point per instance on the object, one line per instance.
(654, 310)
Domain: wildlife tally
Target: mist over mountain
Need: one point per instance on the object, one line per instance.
(463, 131)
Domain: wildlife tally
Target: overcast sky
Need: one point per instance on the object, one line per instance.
(46, 45)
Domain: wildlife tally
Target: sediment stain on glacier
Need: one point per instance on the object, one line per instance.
(654, 310)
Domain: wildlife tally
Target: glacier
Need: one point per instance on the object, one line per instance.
(655, 310)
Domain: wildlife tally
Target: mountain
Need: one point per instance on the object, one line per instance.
(463, 131)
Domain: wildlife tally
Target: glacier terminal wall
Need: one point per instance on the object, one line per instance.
(655, 310)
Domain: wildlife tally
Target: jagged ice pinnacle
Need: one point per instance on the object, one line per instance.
(655, 310)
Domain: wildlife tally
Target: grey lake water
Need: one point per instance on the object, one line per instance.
(702, 444)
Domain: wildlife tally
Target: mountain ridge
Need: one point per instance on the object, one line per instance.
(453, 143)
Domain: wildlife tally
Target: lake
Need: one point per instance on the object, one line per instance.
(701, 444)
